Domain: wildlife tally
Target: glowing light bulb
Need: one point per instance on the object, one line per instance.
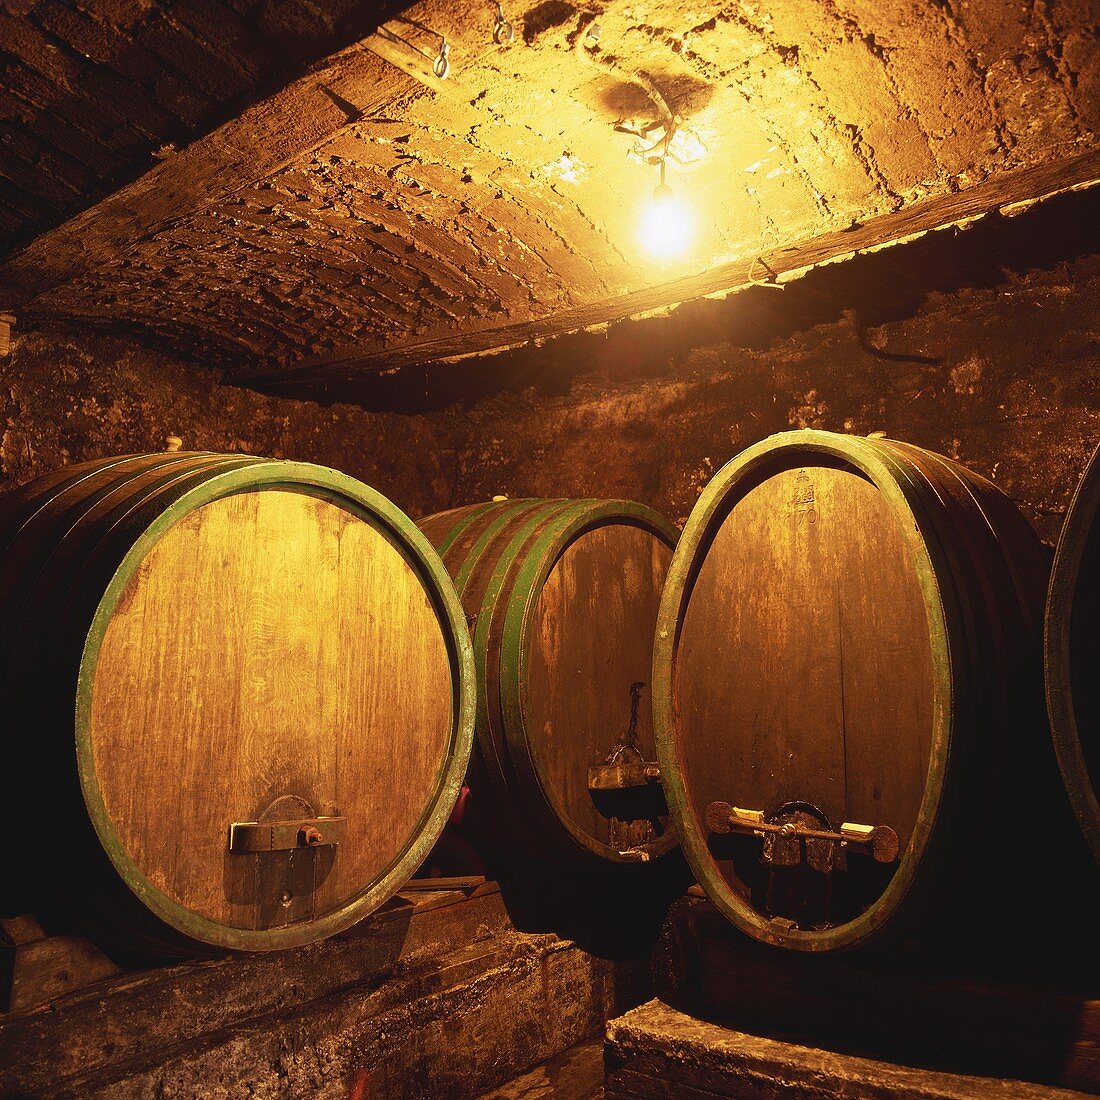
(666, 228)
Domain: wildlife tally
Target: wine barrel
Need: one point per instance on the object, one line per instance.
(562, 597)
(845, 673)
(237, 700)
(1073, 652)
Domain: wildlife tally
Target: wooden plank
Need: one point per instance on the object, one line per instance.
(119, 1019)
(35, 968)
(472, 1004)
(1007, 194)
(656, 1051)
(576, 1074)
(452, 884)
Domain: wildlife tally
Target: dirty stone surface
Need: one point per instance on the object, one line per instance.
(93, 94)
(1006, 380)
(68, 398)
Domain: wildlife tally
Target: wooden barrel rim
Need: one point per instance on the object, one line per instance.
(542, 556)
(901, 492)
(1081, 519)
(385, 517)
(37, 589)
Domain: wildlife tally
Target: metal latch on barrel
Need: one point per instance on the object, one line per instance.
(626, 767)
(622, 775)
(281, 836)
(878, 841)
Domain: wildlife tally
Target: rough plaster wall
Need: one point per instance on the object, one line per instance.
(517, 196)
(68, 397)
(1007, 380)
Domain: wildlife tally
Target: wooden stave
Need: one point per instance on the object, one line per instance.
(470, 516)
(520, 560)
(963, 615)
(497, 564)
(1081, 522)
(540, 560)
(999, 570)
(118, 917)
(474, 566)
(1024, 779)
(500, 558)
(522, 785)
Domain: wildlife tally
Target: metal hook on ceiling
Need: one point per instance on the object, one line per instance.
(441, 66)
(503, 31)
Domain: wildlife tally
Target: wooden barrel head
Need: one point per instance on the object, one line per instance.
(590, 640)
(801, 681)
(804, 670)
(273, 654)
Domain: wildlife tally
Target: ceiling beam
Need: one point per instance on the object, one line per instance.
(1003, 195)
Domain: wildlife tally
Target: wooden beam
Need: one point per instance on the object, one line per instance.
(1004, 195)
(425, 990)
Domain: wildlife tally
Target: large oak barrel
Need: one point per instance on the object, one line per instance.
(237, 700)
(846, 672)
(1073, 652)
(562, 599)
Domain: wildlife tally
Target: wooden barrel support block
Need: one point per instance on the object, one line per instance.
(843, 650)
(272, 682)
(1073, 652)
(562, 597)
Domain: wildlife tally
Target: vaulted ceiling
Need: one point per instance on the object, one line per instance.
(363, 205)
(93, 94)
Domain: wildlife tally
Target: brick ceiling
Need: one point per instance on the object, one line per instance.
(355, 204)
(92, 94)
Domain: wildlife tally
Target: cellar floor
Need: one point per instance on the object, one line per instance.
(439, 995)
